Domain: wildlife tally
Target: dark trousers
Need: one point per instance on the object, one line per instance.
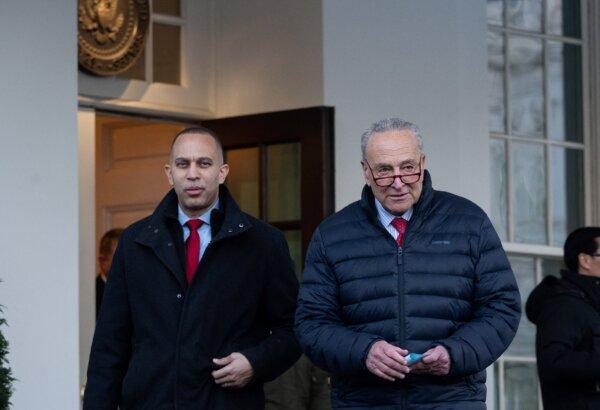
(303, 387)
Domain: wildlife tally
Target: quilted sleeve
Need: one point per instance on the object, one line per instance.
(322, 334)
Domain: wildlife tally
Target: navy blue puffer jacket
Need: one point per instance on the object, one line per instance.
(450, 284)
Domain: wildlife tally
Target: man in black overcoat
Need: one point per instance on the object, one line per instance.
(566, 311)
(199, 305)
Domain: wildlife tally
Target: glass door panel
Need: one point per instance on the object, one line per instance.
(243, 180)
(283, 182)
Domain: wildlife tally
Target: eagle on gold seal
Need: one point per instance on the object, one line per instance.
(111, 34)
(101, 19)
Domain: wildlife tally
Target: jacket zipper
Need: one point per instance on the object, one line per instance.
(400, 260)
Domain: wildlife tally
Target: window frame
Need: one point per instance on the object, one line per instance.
(194, 97)
(547, 143)
(590, 147)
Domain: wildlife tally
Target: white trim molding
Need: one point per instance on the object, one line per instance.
(593, 31)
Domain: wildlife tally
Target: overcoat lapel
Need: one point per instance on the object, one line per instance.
(158, 237)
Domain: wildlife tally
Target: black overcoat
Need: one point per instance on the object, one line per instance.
(566, 311)
(156, 336)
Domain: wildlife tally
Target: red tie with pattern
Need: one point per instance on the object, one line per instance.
(192, 249)
(400, 224)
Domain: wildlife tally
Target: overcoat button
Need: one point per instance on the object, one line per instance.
(179, 296)
(241, 225)
(156, 231)
(170, 244)
(230, 230)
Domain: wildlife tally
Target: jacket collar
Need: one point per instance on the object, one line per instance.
(226, 222)
(420, 209)
(589, 286)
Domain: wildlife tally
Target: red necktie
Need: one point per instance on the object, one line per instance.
(192, 249)
(400, 224)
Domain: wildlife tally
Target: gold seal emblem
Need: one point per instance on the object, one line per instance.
(111, 34)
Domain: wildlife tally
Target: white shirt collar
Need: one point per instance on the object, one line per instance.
(205, 217)
(386, 217)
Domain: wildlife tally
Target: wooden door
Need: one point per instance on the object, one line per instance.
(281, 169)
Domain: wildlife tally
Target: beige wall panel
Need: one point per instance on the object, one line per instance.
(130, 179)
(269, 56)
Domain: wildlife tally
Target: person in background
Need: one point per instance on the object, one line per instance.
(108, 245)
(566, 312)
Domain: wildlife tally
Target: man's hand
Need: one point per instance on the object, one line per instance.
(435, 362)
(387, 361)
(235, 373)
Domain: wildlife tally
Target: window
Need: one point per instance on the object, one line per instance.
(161, 60)
(537, 148)
(536, 120)
(176, 75)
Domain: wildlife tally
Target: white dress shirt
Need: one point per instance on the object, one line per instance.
(204, 231)
(386, 218)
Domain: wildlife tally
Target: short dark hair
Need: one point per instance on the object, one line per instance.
(198, 130)
(108, 239)
(582, 240)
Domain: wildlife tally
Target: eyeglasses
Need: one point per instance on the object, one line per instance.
(388, 180)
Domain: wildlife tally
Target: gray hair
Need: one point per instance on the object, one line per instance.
(390, 124)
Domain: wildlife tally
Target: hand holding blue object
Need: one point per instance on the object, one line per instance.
(413, 358)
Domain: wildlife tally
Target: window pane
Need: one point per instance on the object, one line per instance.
(138, 70)
(564, 17)
(520, 386)
(525, 14)
(167, 53)
(170, 7)
(294, 240)
(283, 182)
(524, 342)
(494, 12)
(529, 192)
(526, 86)
(566, 170)
(499, 188)
(243, 180)
(552, 267)
(496, 116)
(565, 92)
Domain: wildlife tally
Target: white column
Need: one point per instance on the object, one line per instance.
(86, 124)
(39, 249)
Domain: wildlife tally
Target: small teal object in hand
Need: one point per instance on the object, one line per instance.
(413, 358)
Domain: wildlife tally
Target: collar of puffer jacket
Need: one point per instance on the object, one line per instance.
(367, 201)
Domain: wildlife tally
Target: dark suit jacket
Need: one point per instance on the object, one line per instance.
(156, 336)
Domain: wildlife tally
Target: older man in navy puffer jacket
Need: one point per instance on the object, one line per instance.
(406, 269)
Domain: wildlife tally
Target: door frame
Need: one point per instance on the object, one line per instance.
(313, 128)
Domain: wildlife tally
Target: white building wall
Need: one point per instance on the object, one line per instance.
(424, 61)
(38, 176)
(269, 56)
